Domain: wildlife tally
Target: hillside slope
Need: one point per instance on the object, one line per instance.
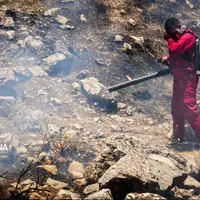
(54, 112)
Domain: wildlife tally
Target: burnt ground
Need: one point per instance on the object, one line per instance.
(93, 48)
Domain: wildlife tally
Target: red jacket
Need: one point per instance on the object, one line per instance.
(179, 63)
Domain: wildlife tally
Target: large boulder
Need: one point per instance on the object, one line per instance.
(97, 93)
(128, 164)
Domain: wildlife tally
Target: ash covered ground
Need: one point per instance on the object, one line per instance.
(53, 111)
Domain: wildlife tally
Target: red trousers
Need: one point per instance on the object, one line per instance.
(184, 105)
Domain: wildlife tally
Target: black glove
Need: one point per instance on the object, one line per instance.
(166, 36)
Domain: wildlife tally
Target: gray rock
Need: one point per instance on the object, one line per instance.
(144, 196)
(53, 129)
(7, 22)
(91, 189)
(6, 104)
(189, 4)
(127, 48)
(149, 167)
(137, 40)
(83, 18)
(67, 1)
(98, 93)
(21, 150)
(38, 71)
(118, 38)
(56, 101)
(27, 120)
(103, 194)
(10, 77)
(51, 12)
(169, 135)
(121, 105)
(115, 128)
(76, 87)
(191, 183)
(34, 42)
(61, 19)
(57, 64)
(7, 77)
(178, 193)
(8, 35)
(83, 74)
(64, 194)
(10, 139)
(56, 184)
(28, 182)
(2, 14)
(35, 195)
(76, 167)
(67, 27)
(51, 169)
(132, 22)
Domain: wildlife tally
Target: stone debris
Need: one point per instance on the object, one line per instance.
(9, 35)
(56, 184)
(118, 38)
(83, 74)
(91, 189)
(57, 63)
(144, 196)
(132, 22)
(34, 42)
(67, 27)
(35, 196)
(97, 93)
(104, 194)
(76, 167)
(61, 19)
(38, 71)
(52, 12)
(64, 194)
(7, 22)
(83, 18)
(51, 169)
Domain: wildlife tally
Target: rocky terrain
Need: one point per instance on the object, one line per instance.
(68, 137)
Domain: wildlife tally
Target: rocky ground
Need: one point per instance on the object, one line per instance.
(69, 138)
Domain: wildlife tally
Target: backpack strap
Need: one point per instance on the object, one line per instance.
(186, 54)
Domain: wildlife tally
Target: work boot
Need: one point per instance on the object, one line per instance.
(174, 142)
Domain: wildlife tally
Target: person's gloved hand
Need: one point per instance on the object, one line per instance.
(166, 36)
(164, 59)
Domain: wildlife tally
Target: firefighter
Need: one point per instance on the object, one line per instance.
(181, 45)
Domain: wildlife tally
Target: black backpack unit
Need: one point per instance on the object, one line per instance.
(197, 57)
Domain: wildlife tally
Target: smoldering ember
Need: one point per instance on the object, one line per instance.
(67, 131)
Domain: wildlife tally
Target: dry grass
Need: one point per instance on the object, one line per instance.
(25, 6)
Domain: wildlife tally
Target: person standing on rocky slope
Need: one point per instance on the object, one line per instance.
(181, 45)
